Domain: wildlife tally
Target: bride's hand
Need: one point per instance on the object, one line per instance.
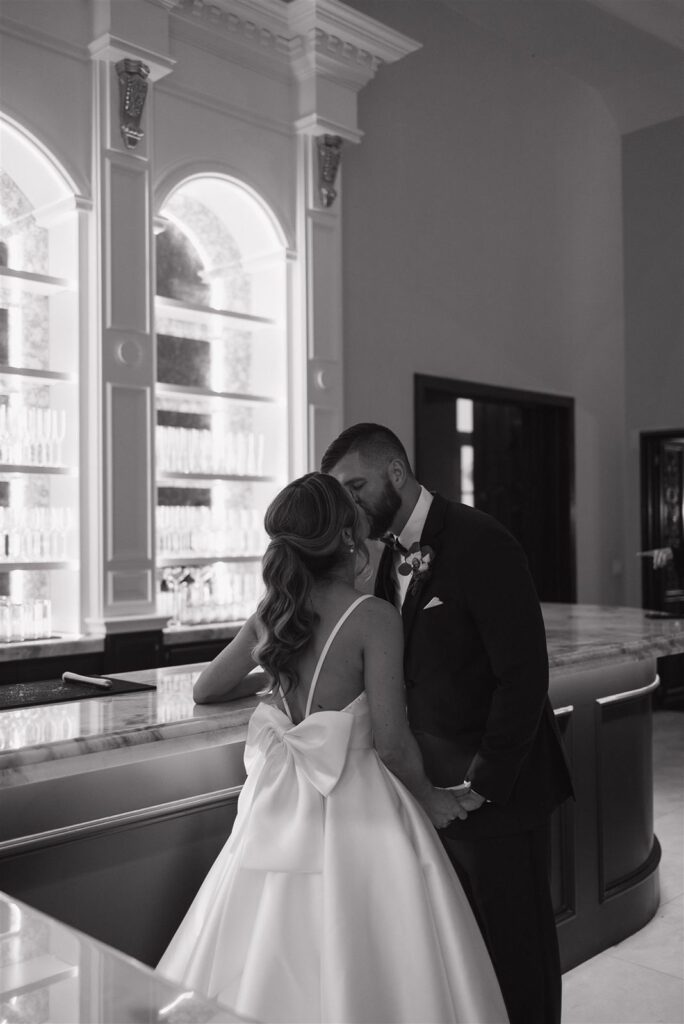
(443, 806)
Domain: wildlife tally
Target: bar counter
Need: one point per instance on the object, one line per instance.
(115, 807)
(53, 973)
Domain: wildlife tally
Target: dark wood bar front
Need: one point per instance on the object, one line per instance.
(115, 807)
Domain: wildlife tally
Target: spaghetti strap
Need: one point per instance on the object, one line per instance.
(285, 704)
(335, 630)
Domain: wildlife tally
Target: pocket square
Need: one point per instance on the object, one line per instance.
(433, 603)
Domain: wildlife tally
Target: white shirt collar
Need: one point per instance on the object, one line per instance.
(416, 521)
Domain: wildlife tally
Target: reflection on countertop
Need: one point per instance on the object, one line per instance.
(59, 732)
(51, 972)
(579, 636)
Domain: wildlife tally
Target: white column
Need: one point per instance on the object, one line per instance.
(338, 53)
(123, 331)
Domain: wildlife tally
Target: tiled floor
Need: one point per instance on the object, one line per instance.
(641, 980)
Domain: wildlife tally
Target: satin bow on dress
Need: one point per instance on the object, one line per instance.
(291, 768)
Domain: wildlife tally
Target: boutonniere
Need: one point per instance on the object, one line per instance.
(417, 564)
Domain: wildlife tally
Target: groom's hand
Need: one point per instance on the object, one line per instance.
(471, 801)
(443, 806)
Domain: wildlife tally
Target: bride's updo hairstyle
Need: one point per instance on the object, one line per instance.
(304, 521)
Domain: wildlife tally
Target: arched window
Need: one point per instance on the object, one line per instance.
(39, 424)
(222, 395)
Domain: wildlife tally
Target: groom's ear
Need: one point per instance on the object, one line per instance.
(398, 473)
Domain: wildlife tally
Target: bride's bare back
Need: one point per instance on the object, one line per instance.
(341, 678)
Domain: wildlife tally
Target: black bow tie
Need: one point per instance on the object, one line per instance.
(393, 542)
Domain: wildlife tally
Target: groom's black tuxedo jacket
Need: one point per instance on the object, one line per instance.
(476, 671)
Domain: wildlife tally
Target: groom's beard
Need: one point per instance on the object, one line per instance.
(381, 516)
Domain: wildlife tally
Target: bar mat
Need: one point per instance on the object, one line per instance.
(53, 691)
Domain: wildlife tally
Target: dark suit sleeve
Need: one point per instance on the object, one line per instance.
(503, 603)
(678, 560)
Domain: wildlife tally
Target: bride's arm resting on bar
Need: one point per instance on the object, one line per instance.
(228, 677)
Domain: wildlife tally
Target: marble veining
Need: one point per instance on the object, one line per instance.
(579, 636)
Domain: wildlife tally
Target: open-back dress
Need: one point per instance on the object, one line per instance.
(332, 900)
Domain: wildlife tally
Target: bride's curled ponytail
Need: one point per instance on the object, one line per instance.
(304, 522)
(285, 610)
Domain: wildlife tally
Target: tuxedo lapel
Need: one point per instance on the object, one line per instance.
(434, 525)
(385, 585)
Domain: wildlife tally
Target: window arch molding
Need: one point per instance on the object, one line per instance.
(50, 181)
(181, 176)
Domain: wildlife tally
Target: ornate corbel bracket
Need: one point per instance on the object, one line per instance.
(132, 93)
(329, 148)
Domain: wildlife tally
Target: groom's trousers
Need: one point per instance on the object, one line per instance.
(506, 879)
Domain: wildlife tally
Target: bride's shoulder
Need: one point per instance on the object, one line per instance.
(376, 614)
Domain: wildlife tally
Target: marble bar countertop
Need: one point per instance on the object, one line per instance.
(38, 740)
(51, 972)
(580, 634)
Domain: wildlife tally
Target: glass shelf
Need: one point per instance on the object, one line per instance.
(192, 391)
(164, 477)
(190, 558)
(12, 469)
(7, 566)
(31, 376)
(189, 312)
(37, 284)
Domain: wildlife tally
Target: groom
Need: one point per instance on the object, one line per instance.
(476, 674)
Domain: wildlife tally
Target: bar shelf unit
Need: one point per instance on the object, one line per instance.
(222, 430)
(39, 393)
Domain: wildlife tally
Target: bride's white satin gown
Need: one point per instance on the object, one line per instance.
(332, 900)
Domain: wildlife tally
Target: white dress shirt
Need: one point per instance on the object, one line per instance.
(408, 536)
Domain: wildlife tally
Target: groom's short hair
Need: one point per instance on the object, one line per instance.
(371, 440)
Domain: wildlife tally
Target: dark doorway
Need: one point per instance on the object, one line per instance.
(509, 453)
(662, 507)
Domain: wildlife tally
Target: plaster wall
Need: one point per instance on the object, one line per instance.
(653, 203)
(483, 241)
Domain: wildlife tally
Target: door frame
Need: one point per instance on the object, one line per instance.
(518, 396)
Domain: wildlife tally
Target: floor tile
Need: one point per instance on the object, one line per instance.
(641, 980)
(607, 990)
(660, 944)
(670, 832)
(667, 800)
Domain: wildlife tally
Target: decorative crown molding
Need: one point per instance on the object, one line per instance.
(310, 36)
(348, 30)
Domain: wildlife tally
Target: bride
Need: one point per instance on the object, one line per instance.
(332, 900)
